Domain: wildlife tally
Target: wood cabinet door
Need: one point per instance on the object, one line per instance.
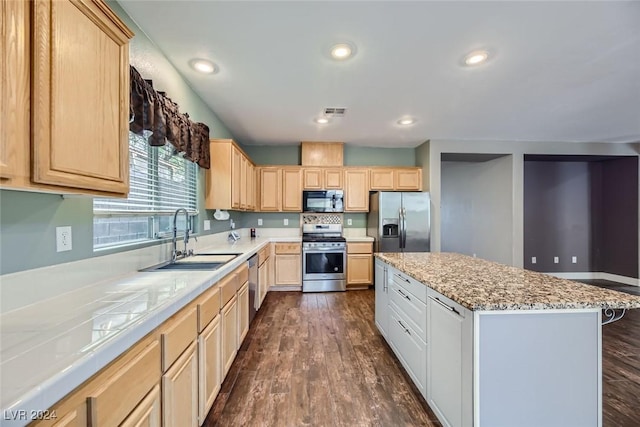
(288, 270)
(359, 269)
(80, 96)
(251, 187)
(180, 391)
(229, 334)
(270, 188)
(291, 190)
(356, 192)
(237, 182)
(382, 179)
(333, 179)
(243, 313)
(147, 413)
(244, 167)
(263, 283)
(312, 179)
(408, 179)
(210, 367)
(14, 90)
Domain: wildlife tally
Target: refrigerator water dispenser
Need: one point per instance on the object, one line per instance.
(390, 227)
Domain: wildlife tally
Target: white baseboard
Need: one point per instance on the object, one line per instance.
(597, 275)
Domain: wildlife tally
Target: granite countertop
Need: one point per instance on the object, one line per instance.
(479, 284)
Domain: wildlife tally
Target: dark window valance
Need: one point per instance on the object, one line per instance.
(152, 112)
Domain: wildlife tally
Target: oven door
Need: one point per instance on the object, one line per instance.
(319, 264)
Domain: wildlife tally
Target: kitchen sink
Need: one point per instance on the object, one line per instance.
(197, 262)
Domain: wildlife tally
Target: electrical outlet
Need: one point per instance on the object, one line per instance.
(63, 239)
(349, 221)
(286, 221)
(259, 221)
(574, 259)
(474, 255)
(534, 260)
(207, 225)
(556, 260)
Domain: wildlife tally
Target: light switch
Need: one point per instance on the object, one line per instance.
(259, 221)
(534, 260)
(286, 221)
(349, 221)
(574, 259)
(207, 225)
(556, 260)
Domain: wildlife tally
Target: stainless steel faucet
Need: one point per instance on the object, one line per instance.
(176, 253)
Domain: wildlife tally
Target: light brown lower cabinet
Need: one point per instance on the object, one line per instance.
(243, 313)
(288, 264)
(359, 265)
(209, 372)
(75, 418)
(180, 391)
(229, 333)
(147, 413)
(263, 282)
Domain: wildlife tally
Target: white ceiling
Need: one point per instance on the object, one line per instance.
(560, 71)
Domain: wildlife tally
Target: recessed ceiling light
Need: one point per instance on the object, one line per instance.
(476, 57)
(342, 51)
(406, 121)
(322, 120)
(203, 66)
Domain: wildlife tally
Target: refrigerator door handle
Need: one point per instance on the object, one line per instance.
(404, 228)
(401, 229)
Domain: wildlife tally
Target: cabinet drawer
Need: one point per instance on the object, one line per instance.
(360, 248)
(448, 303)
(242, 274)
(120, 393)
(410, 284)
(208, 307)
(287, 248)
(410, 349)
(228, 288)
(179, 333)
(414, 310)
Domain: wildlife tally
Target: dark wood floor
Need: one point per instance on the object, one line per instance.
(318, 360)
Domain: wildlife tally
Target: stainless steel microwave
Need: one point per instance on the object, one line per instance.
(323, 201)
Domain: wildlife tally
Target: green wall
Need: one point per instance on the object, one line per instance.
(353, 156)
(28, 220)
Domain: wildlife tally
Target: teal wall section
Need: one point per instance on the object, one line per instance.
(273, 154)
(28, 220)
(377, 156)
(358, 220)
(270, 220)
(353, 156)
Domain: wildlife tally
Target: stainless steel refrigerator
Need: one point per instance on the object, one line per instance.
(400, 222)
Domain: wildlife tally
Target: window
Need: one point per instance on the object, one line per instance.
(160, 182)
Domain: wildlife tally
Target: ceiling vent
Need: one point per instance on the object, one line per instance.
(335, 111)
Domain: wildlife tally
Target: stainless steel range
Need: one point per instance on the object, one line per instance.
(324, 258)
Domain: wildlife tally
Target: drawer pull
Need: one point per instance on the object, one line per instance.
(448, 307)
(403, 294)
(405, 328)
(403, 278)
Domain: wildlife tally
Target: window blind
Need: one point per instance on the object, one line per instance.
(160, 182)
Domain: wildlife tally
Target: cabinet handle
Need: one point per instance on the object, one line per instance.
(448, 307)
(403, 294)
(403, 278)
(405, 328)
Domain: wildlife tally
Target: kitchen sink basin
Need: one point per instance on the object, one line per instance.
(197, 262)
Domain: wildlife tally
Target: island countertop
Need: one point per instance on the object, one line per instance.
(479, 284)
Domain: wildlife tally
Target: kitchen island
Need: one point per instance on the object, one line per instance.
(492, 345)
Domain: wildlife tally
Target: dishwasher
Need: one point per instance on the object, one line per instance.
(253, 285)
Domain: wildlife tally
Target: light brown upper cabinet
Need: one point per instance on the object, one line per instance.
(322, 178)
(229, 182)
(396, 179)
(76, 55)
(322, 153)
(356, 190)
(292, 189)
(270, 189)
